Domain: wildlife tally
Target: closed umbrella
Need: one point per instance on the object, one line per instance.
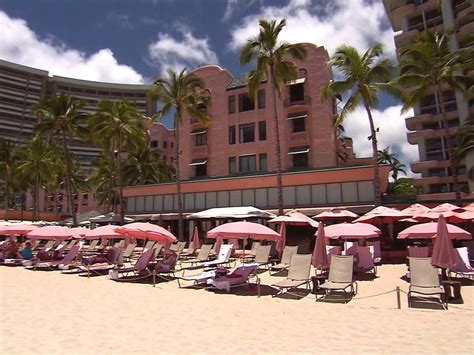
(196, 242)
(444, 254)
(320, 256)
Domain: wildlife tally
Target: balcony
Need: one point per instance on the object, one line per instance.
(405, 38)
(304, 102)
(419, 166)
(415, 122)
(416, 137)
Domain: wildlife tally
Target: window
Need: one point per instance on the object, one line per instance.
(165, 144)
(76, 196)
(262, 162)
(300, 156)
(247, 133)
(247, 164)
(261, 98)
(154, 144)
(172, 144)
(232, 135)
(232, 165)
(85, 196)
(298, 121)
(245, 104)
(200, 167)
(296, 92)
(231, 103)
(262, 131)
(201, 139)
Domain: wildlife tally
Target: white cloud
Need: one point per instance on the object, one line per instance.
(188, 51)
(329, 23)
(19, 44)
(392, 133)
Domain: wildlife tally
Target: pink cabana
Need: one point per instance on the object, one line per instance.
(107, 231)
(320, 257)
(17, 229)
(336, 214)
(149, 231)
(293, 217)
(429, 230)
(381, 215)
(351, 231)
(196, 242)
(444, 254)
(51, 232)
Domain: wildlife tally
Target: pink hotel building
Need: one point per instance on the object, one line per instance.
(231, 161)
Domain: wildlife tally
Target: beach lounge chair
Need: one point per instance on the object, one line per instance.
(350, 248)
(365, 259)
(298, 275)
(377, 251)
(418, 252)
(136, 272)
(178, 247)
(238, 277)
(332, 250)
(128, 252)
(164, 271)
(102, 267)
(248, 254)
(285, 259)
(222, 258)
(52, 265)
(463, 267)
(262, 256)
(424, 282)
(92, 246)
(201, 257)
(340, 277)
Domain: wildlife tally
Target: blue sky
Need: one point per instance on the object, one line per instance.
(134, 41)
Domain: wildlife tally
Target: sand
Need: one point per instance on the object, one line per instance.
(53, 313)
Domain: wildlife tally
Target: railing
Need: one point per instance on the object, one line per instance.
(288, 102)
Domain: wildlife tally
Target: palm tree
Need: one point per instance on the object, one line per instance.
(465, 136)
(7, 166)
(118, 127)
(39, 164)
(429, 65)
(146, 167)
(182, 93)
(59, 116)
(396, 167)
(273, 62)
(365, 79)
(105, 181)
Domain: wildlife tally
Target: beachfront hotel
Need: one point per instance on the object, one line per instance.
(231, 160)
(409, 18)
(22, 87)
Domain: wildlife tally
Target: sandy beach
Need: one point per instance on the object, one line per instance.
(53, 313)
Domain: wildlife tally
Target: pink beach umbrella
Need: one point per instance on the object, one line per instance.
(282, 242)
(469, 207)
(444, 254)
(295, 217)
(196, 242)
(415, 209)
(336, 214)
(78, 232)
(107, 231)
(149, 231)
(352, 231)
(381, 215)
(430, 229)
(17, 229)
(51, 232)
(320, 257)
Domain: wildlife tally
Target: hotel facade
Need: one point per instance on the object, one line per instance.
(409, 18)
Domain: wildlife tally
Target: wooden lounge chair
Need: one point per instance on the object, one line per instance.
(340, 277)
(298, 275)
(424, 282)
(285, 259)
(463, 267)
(136, 272)
(238, 277)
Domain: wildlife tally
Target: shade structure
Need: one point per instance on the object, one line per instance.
(110, 217)
(295, 217)
(381, 215)
(51, 232)
(243, 212)
(336, 214)
(149, 231)
(17, 229)
(243, 230)
(444, 254)
(351, 231)
(320, 257)
(196, 242)
(415, 209)
(78, 232)
(445, 207)
(429, 230)
(107, 231)
(460, 217)
(469, 207)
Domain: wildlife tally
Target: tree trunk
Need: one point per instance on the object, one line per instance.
(7, 194)
(449, 146)
(122, 207)
(277, 143)
(377, 196)
(178, 177)
(67, 182)
(36, 199)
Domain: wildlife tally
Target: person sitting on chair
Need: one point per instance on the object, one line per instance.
(168, 262)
